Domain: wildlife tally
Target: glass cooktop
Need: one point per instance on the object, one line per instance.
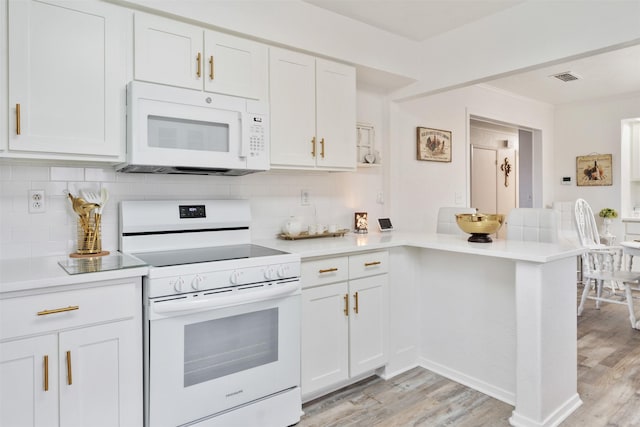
(198, 255)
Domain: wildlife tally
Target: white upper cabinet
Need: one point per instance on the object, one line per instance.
(178, 54)
(313, 112)
(67, 77)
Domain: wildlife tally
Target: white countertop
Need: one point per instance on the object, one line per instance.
(45, 272)
(499, 248)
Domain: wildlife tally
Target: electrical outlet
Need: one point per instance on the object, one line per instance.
(37, 201)
(304, 197)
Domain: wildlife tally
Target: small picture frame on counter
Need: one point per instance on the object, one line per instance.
(361, 223)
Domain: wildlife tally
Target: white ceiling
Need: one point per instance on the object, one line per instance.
(603, 75)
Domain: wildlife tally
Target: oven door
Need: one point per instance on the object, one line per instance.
(209, 361)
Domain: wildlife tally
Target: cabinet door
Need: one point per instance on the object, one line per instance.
(101, 376)
(235, 66)
(335, 115)
(67, 76)
(292, 99)
(368, 324)
(324, 337)
(29, 382)
(167, 52)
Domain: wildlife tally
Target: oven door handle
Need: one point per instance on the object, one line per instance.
(213, 302)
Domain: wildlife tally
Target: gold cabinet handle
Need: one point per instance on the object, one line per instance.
(313, 146)
(346, 304)
(46, 373)
(211, 67)
(322, 148)
(328, 270)
(69, 378)
(17, 119)
(355, 307)
(199, 64)
(58, 310)
(371, 264)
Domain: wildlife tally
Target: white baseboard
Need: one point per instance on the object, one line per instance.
(552, 420)
(503, 395)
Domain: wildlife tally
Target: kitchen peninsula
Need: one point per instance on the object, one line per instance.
(498, 317)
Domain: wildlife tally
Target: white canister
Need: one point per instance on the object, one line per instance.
(292, 227)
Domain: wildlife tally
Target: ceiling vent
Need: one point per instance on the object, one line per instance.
(567, 76)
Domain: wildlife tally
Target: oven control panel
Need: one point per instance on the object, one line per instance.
(192, 211)
(202, 281)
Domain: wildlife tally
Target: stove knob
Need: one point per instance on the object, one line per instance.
(269, 273)
(283, 271)
(235, 277)
(178, 284)
(196, 282)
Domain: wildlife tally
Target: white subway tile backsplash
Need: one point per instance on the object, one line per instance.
(29, 173)
(100, 175)
(274, 196)
(67, 174)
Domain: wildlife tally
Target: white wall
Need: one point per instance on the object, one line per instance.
(419, 188)
(592, 127)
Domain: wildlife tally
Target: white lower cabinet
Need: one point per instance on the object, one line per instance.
(73, 374)
(344, 319)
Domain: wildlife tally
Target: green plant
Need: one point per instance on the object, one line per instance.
(608, 213)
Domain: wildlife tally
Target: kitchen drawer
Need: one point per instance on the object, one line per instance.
(19, 316)
(325, 270)
(368, 264)
(632, 227)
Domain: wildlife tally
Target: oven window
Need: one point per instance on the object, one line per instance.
(220, 347)
(183, 134)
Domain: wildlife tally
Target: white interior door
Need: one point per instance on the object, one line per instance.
(484, 169)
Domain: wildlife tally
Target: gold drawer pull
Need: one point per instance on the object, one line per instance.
(355, 308)
(322, 148)
(346, 304)
(370, 264)
(313, 146)
(211, 75)
(58, 310)
(46, 373)
(69, 379)
(17, 119)
(328, 270)
(198, 64)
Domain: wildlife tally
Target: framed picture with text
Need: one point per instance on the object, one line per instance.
(433, 145)
(594, 170)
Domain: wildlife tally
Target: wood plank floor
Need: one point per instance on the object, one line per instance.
(608, 383)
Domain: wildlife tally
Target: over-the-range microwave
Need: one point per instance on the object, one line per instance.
(185, 131)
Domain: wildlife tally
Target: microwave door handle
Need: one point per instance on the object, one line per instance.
(244, 136)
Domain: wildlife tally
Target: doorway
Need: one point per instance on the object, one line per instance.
(495, 168)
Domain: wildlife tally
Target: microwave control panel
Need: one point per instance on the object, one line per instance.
(257, 135)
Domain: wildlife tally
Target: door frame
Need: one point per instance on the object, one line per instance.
(536, 155)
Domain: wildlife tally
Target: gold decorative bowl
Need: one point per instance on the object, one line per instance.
(480, 225)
